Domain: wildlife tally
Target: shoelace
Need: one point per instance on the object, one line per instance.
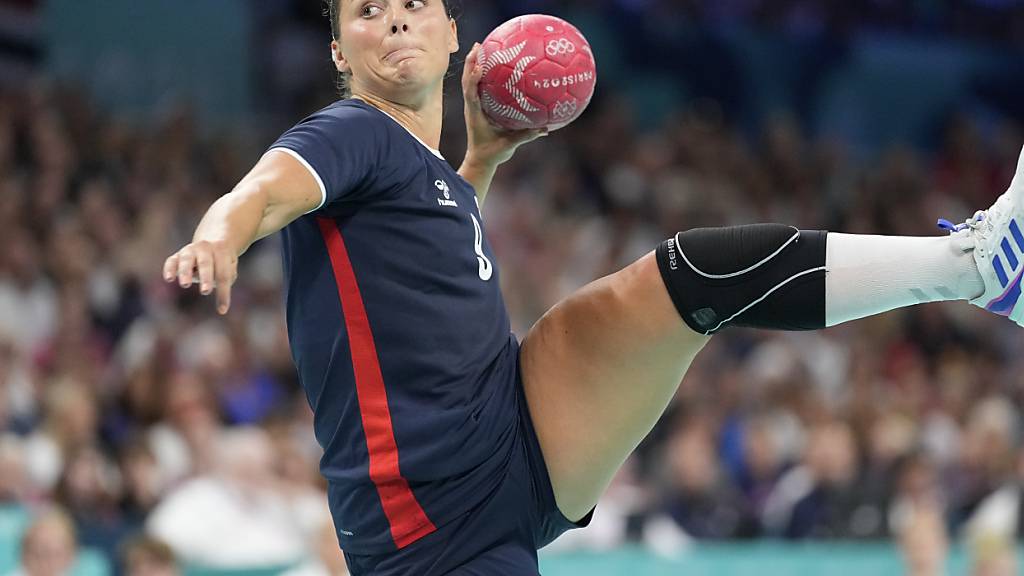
(974, 222)
(983, 221)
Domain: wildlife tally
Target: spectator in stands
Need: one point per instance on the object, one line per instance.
(147, 556)
(184, 441)
(923, 540)
(71, 423)
(763, 464)
(49, 547)
(819, 498)
(142, 485)
(239, 516)
(701, 499)
(89, 489)
(15, 489)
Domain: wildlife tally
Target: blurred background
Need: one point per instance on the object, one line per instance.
(141, 434)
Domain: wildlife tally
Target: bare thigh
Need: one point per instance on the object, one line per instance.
(599, 369)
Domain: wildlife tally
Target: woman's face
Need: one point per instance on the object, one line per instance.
(397, 49)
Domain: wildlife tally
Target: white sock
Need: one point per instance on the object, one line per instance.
(868, 275)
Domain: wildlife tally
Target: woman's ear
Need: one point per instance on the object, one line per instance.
(340, 63)
(453, 41)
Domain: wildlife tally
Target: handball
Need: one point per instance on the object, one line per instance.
(538, 72)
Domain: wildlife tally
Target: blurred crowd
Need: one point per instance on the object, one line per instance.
(126, 408)
(136, 423)
(976, 19)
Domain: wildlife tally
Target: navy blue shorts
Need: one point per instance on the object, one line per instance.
(498, 538)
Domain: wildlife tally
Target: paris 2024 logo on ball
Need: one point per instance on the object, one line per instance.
(539, 72)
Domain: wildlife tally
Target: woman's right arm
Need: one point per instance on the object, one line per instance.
(276, 191)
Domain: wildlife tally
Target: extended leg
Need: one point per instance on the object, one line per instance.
(601, 366)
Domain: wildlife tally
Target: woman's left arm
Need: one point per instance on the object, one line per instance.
(487, 145)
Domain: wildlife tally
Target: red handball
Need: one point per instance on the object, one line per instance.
(538, 72)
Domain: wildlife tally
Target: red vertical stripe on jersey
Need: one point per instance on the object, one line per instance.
(405, 516)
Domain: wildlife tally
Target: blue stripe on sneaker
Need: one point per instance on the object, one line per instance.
(1000, 271)
(1011, 258)
(1015, 230)
(1005, 304)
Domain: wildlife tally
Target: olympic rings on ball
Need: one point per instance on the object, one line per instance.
(560, 46)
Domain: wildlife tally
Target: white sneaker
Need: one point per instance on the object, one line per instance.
(998, 241)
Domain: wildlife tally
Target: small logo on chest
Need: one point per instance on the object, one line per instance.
(443, 188)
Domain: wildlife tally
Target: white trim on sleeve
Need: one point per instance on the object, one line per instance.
(319, 181)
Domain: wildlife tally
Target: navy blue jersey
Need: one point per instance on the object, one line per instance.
(397, 327)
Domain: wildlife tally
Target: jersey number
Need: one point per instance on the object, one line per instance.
(486, 269)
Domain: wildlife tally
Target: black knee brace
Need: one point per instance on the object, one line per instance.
(761, 276)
